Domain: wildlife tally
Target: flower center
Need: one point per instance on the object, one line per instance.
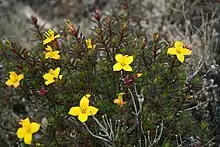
(27, 129)
(178, 50)
(83, 110)
(15, 80)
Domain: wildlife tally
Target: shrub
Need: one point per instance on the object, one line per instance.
(125, 90)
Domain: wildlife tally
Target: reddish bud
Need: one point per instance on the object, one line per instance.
(97, 15)
(128, 81)
(125, 6)
(34, 20)
(42, 92)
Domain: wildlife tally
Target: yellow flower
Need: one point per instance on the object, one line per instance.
(27, 130)
(89, 44)
(123, 62)
(52, 54)
(179, 51)
(83, 110)
(50, 36)
(14, 79)
(119, 101)
(52, 75)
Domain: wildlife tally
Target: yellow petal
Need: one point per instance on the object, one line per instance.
(21, 132)
(121, 94)
(57, 36)
(20, 77)
(75, 111)
(49, 48)
(186, 51)
(46, 41)
(139, 75)
(56, 52)
(127, 68)
(25, 122)
(117, 67)
(28, 138)
(89, 43)
(120, 98)
(9, 82)
(56, 57)
(116, 101)
(47, 55)
(51, 71)
(180, 57)
(119, 58)
(178, 44)
(13, 76)
(60, 77)
(34, 127)
(128, 60)
(171, 51)
(16, 84)
(56, 72)
(83, 117)
(84, 103)
(92, 110)
(48, 77)
(49, 82)
(50, 31)
(87, 96)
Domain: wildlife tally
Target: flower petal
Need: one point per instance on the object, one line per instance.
(34, 127)
(89, 43)
(21, 132)
(87, 96)
(13, 76)
(117, 67)
(138, 75)
(49, 48)
(16, 84)
(178, 44)
(116, 101)
(28, 138)
(56, 57)
(128, 60)
(75, 111)
(25, 122)
(57, 72)
(20, 77)
(84, 103)
(46, 41)
(119, 58)
(92, 110)
(48, 77)
(127, 68)
(83, 117)
(171, 51)
(186, 51)
(49, 82)
(47, 55)
(57, 36)
(180, 57)
(60, 77)
(9, 82)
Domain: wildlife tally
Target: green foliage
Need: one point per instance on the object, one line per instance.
(84, 70)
